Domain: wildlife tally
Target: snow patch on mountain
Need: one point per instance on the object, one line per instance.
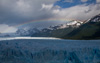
(27, 32)
(66, 25)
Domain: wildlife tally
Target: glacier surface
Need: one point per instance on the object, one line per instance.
(49, 51)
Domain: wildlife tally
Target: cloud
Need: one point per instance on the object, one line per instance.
(19, 11)
(84, 0)
(47, 7)
(14, 12)
(98, 1)
(80, 12)
(70, 1)
(7, 29)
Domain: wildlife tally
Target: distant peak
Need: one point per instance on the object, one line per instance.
(95, 18)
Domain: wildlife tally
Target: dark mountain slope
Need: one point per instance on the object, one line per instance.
(53, 33)
(58, 30)
(89, 30)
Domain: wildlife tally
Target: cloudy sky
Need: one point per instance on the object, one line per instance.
(14, 12)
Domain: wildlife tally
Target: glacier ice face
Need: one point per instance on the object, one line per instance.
(49, 51)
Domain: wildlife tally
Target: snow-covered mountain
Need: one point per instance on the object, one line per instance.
(94, 19)
(89, 30)
(66, 25)
(70, 24)
(27, 32)
(30, 31)
(58, 30)
(61, 28)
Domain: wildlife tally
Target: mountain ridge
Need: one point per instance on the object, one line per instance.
(78, 30)
(89, 30)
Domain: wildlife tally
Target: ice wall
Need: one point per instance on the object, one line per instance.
(36, 51)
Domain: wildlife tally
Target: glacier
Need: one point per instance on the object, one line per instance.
(18, 50)
(13, 38)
